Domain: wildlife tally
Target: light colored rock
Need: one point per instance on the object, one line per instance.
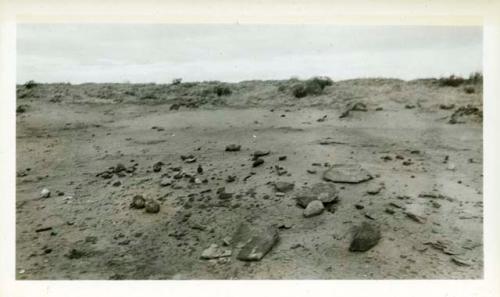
(313, 208)
(214, 252)
(346, 173)
(45, 193)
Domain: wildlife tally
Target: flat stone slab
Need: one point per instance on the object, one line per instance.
(365, 237)
(346, 173)
(255, 243)
(324, 192)
(214, 252)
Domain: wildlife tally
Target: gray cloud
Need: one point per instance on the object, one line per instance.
(157, 53)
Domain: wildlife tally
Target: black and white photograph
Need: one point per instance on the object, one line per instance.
(248, 151)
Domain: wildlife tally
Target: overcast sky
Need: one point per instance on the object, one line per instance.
(158, 53)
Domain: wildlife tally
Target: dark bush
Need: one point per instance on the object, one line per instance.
(176, 81)
(469, 90)
(30, 84)
(451, 81)
(222, 90)
(313, 86)
(476, 77)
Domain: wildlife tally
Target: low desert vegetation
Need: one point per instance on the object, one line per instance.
(455, 81)
(313, 86)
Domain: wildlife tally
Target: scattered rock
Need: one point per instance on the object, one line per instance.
(230, 178)
(358, 206)
(374, 190)
(311, 171)
(281, 158)
(447, 106)
(117, 183)
(346, 173)
(258, 162)
(45, 193)
(365, 237)
(283, 186)
(152, 206)
(233, 148)
(75, 254)
(91, 239)
(313, 208)
(358, 106)
(214, 252)
(389, 211)
(199, 169)
(138, 202)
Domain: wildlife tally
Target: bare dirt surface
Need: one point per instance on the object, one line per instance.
(424, 194)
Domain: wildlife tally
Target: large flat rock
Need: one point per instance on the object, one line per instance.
(346, 173)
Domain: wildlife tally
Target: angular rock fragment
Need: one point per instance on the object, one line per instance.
(157, 166)
(417, 218)
(259, 244)
(325, 192)
(258, 154)
(313, 208)
(365, 237)
(346, 173)
(283, 186)
(214, 252)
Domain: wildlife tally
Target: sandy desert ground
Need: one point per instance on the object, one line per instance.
(406, 159)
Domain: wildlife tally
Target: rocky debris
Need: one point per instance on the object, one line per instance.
(283, 187)
(415, 217)
(119, 170)
(152, 206)
(258, 162)
(188, 158)
(157, 166)
(311, 171)
(358, 106)
(230, 178)
(461, 261)
(138, 202)
(365, 237)
(280, 170)
(214, 252)
(409, 106)
(346, 173)
(256, 243)
(444, 246)
(45, 193)
(325, 192)
(281, 158)
(199, 169)
(233, 148)
(465, 112)
(433, 195)
(314, 208)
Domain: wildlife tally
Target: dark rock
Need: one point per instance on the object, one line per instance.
(258, 154)
(282, 158)
(152, 206)
(346, 173)
(283, 186)
(230, 178)
(199, 169)
(233, 148)
(157, 166)
(365, 237)
(117, 183)
(138, 202)
(389, 211)
(75, 254)
(91, 239)
(359, 206)
(258, 162)
(417, 218)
